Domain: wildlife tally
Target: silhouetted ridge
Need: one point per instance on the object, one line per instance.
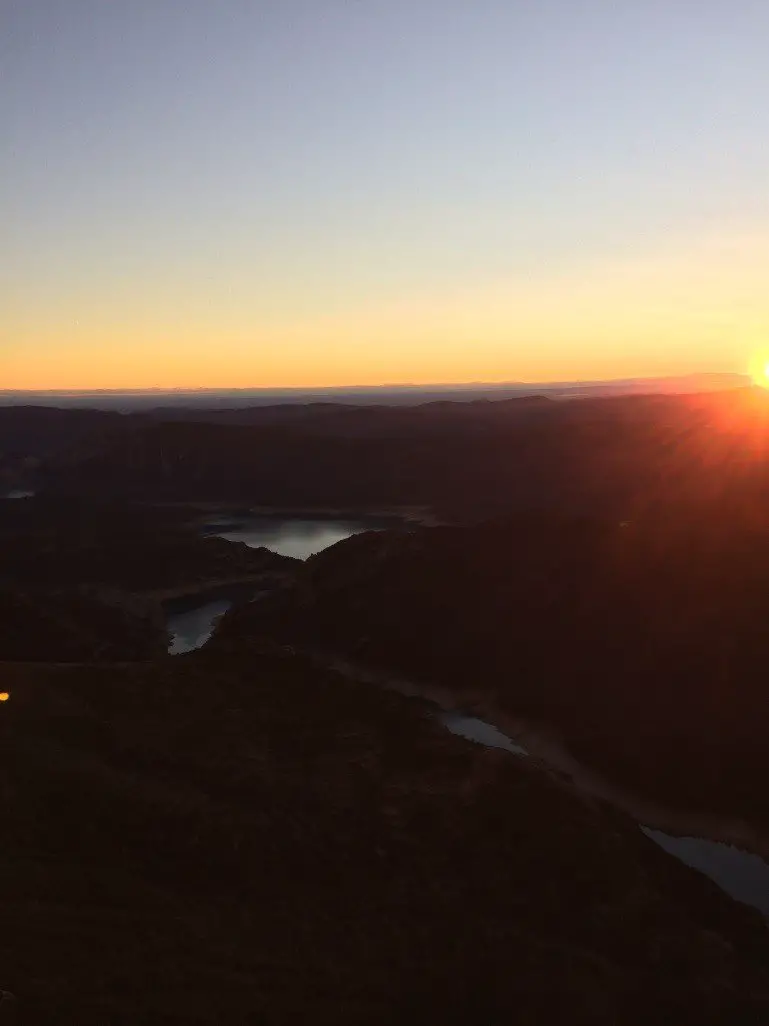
(615, 457)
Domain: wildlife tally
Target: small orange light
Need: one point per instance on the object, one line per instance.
(4, 696)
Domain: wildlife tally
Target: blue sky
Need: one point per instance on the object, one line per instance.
(320, 192)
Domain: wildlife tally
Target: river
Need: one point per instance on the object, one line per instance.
(741, 874)
(191, 628)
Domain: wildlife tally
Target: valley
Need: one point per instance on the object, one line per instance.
(310, 748)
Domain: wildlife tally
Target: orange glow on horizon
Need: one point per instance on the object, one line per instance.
(641, 317)
(461, 377)
(326, 361)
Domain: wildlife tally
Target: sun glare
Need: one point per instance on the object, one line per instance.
(759, 370)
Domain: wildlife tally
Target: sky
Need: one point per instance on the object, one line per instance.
(248, 193)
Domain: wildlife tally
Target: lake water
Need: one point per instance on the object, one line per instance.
(299, 538)
(743, 875)
(191, 628)
(479, 731)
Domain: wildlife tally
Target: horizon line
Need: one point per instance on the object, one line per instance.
(200, 389)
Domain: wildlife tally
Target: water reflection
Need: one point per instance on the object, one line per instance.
(479, 731)
(297, 538)
(742, 875)
(192, 628)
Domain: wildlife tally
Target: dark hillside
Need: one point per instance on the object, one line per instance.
(644, 643)
(84, 581)
(137, 547)
(44, 431)
(199, 842)
(611, 456)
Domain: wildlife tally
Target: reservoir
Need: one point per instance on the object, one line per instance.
(297, 537)
(191, 625)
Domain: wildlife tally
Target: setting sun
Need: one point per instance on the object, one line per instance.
(759, 370)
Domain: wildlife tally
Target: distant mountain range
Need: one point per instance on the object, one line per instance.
(607, 455)
(391, 395)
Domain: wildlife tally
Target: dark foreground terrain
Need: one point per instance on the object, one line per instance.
(239, 836)
(208, 841)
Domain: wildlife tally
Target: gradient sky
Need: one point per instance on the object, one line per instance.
(305, 192)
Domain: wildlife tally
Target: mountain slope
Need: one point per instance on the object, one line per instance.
(212, 841)
(608, 456)
(643, 643)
